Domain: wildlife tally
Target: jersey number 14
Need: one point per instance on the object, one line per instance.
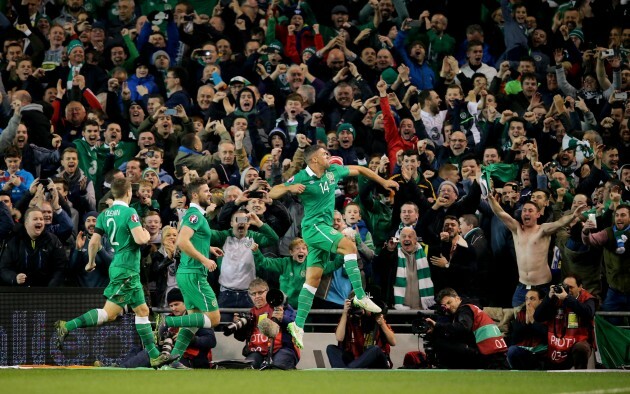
(324, 186)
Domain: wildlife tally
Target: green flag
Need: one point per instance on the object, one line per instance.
(503, 172)
(613, 343)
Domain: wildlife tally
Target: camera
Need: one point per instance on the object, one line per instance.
(608, 53)
(420, 327)
(354, 311)
(188, 18)
(558, 288)
(243, 320)
(275, 298)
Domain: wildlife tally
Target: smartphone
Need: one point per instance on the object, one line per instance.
(255, 194)
(242, 219)
(179, 194)
(170, 112)
(179, 169)
(45, 182)
(621, 96)
(608, 53)
(150, 153)
(188, 18)
(414, 24)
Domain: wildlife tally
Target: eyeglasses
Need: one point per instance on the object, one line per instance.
(257, 293)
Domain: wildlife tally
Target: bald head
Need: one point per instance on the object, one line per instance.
(23, 96)
(336, 59)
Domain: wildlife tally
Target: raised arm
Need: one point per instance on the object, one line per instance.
(551, 228)
(371, 175)
(508, 220)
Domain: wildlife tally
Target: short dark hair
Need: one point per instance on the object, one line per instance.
(446, 292)
(90, 122)
(578, 280)
(194, 185)
(179, 72)
(310, 151)
(120, 187)
(13, 151)
(622, 206)
(529, 202)
(471, 219)
(410, 153)
(188, 140)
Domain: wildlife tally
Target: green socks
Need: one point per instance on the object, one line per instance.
(88, 319)
(193, 320)
(305, 302)
(184, 336)
(143, 327)
(354, 274)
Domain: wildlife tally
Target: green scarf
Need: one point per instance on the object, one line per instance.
(425, 284)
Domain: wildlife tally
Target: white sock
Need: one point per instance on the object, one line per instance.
(206, 322)
(310, 288)
(142, 320)
(352, 256)
(102, 317)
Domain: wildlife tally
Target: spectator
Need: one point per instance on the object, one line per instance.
(528, 337)
(98, 277)
(33, 257)
(15, 180)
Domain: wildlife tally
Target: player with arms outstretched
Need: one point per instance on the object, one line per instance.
(316, 186)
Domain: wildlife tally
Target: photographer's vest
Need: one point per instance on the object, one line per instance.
(487, 335)
(567, 329)
(617, 265)
(260, 343)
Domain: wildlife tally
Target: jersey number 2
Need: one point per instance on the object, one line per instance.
(113, 233)
(324, 187)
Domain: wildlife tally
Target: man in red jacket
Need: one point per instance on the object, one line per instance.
(568, 311)
(468, 338)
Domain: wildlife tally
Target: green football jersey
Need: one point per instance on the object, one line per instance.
(319, 196)
(195, 219)
(116, 224)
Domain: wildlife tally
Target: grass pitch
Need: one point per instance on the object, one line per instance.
(110, 381)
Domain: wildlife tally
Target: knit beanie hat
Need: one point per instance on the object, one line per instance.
(73, 44)
(448, 183)
(577, 33)
(348, 127)
(174, 295)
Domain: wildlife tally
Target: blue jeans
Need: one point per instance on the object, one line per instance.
(616, 301)
(521, 290)
(373, 358)
(233, 299)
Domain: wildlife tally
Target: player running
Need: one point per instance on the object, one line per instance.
(192, 274)
(121, 225)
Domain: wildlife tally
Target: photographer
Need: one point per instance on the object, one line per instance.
(257, 344)
(468, 338)
(568, 312)
(199, 351)
(364, 339)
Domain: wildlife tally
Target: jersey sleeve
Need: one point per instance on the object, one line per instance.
(294, 180)
(134, 219)
(100, 225)
(339, 171)
(192, 220)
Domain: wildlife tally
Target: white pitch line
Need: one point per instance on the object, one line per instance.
(605, 391)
